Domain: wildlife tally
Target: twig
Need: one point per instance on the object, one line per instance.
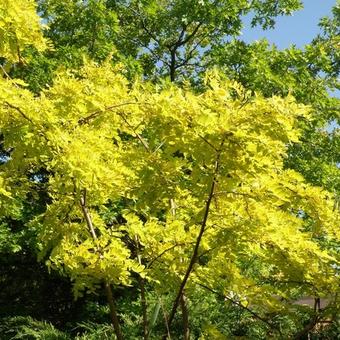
(208, 142)
(239, 305)
(20, 111)
(141, 139)
(163, 252)
(94, 114)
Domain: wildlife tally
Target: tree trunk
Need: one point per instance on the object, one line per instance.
(144, 308)
(109, 295)
(173, 65)
(185, 317)
(113, 311)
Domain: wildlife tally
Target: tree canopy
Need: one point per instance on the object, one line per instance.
(149, 149)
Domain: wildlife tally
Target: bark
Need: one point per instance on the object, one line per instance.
(113, 312)
(144, 308)
(173, 64)
(142, 294)
(185, 317)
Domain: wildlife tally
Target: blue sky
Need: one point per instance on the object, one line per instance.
(298, 29)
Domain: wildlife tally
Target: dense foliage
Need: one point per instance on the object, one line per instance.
(171, 178)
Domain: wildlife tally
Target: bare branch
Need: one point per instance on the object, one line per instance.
(87, 215)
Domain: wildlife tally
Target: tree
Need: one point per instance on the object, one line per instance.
(20, 27)
(163, 35)
(176, 186)
(103, 142)
(188, 45)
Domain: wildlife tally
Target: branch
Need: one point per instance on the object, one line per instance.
(163, 252)
(94, 114)
(142, 293)
(113, 311)
(311, 324)
(142, 20)
(165, 320)
(296, 282)
(157, 56)
(85, 120)
(208, 142)
(20, 111)
(194, 256)
(190, 36)
(87, 215)
(137, 135)
(6, 74)
(148, 31)
(239, 305)
(185, 61)
(108, 289)
(181, 35)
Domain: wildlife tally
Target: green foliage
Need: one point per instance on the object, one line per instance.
(94, 331)
(163, 36)
(29, 329)
(8, 240)
(80, 27)
(308, 75)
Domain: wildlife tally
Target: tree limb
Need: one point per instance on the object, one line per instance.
(194, 255)
(94, 114)
(22, 113)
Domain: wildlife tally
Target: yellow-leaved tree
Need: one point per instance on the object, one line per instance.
(19, 28)
(165, 186)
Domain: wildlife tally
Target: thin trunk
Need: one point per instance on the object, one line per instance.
(185, 317)
(167, 336)
(173, 65)
(144, 308)
(183, 302)
(142, 293)
(113, 312)
(109, 295)
(87, 216)
(194, 256)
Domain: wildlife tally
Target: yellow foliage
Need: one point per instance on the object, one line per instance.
(148, 157)
(19, 27)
